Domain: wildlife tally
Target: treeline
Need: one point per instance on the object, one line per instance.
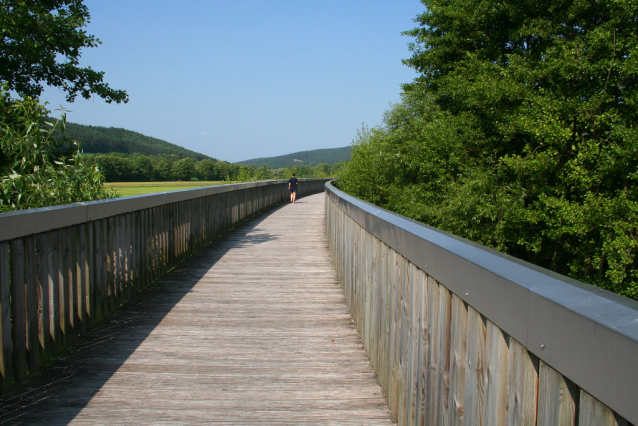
(118, 167)
(519, 133)
(97, 139)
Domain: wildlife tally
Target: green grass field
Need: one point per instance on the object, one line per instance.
(126, 189)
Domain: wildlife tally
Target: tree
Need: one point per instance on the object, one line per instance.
(206, 170)
(519, 133)
(162, 170)
(142, 168)
(115, 168)
(184, 169)
(41, 43)
(321, 170)
(337, 169)
(262, 173)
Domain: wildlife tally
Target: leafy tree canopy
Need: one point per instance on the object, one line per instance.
(519, 133)
(41, 43)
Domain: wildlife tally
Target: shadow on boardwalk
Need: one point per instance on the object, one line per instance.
(56, 393)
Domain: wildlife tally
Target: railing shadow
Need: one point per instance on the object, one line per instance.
(60, 390)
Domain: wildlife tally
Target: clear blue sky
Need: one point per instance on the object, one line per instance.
(240, 79)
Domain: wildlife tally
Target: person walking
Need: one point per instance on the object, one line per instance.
(292, 187)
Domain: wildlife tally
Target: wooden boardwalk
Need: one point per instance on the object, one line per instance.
(253, 330)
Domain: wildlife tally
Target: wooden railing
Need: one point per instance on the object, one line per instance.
(65, 268)
(459, 334)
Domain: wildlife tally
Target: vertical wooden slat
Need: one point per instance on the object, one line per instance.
(54, 292)
(458, 362)
(413, 342)
(43, 263)
(82, 279)
(152, 236)
(423, 341)
(72, 307)
(6, 351)
(111, 243)
(104, 261)
(181, 231)
(166, 261)
(386, 319)
(395, 349)
(96, 293)
(443, 354)
(64, 275)
(127, 293)
(495, 395)
(434, 376)
(557, 398)
(143, 244)
(404, 344)
(146, 247)
(158, 242)
(18, 312)
(592, 412)
(119, 261)
(137, 245)
(31, 280)
(476, 375)
(522, 387)
(90, 275)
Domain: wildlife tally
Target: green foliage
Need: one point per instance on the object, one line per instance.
(41, 42)
(184, 169)
(37, 169)
(303, 158)
(161, 171)
(207, 170)
(321, 170)
(519, 133)
(141, 168)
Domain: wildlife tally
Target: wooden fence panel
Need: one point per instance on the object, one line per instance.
(439, 360)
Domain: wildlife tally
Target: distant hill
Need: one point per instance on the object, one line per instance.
(303, 158)
(96, 139)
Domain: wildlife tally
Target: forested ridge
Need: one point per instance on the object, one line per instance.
(303, 158)
(97, 139)
(519, 132)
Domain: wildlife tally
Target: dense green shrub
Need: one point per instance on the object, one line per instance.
(37, 169)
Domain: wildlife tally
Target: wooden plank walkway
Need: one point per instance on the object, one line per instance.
(253, 330)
